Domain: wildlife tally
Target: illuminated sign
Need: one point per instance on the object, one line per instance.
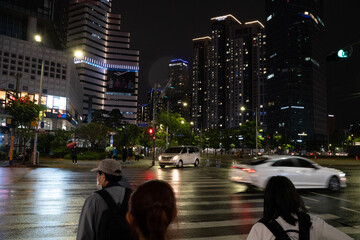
(54, 102)
(121, 81)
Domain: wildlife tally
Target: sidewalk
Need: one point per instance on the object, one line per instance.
(147, 162)
(66, 163)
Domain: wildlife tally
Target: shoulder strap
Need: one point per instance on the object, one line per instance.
(276, 229)
(304, 226)
(110, 201)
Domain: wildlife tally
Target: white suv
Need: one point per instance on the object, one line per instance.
(179, 156)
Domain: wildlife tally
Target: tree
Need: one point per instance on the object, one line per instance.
(59, 143)
(113, 119)
(127, 136)
(95, 133)
(24, 111)
(179, 130)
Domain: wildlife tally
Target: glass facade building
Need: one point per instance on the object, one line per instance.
(296, 84)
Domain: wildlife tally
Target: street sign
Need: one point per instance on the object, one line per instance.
(34, 123)
(42, 124)
(143, 125)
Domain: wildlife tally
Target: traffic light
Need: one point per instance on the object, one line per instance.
(340, 54)
(151, 133)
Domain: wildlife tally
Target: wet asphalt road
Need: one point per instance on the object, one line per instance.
(45, 203)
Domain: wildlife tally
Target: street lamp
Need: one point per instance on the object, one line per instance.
(78, 53)
(39, 40)
(256, 124)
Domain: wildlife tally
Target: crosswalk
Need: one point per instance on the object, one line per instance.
(212, 208)
(46, 203)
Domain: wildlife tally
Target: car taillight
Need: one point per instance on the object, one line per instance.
(249, 170)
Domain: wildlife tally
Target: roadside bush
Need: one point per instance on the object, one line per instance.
(3, 156)
(90, 155)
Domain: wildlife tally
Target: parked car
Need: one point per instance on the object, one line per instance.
(180, 156)
(303, 172)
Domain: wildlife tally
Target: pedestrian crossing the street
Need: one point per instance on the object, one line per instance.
(46, 203)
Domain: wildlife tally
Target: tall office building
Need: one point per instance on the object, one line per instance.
(23, 19)
(21, 61)
(178, 92)
(233, 73)
(296, 84)
(200, 81)
(109, 69)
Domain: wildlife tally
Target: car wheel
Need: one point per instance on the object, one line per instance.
(162, 166)
(334, 184)
(196, 164)
(180, 164)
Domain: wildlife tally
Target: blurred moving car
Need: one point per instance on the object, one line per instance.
(303, 172)
(180, 156)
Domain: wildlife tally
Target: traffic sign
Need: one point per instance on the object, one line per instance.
(143, 125)
(42, 124)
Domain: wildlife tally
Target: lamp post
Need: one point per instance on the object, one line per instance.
(256, 124)
(39, 40)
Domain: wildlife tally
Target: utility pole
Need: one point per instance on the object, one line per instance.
(154, 123)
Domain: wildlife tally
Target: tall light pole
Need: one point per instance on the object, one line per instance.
(256, 124)
(39, 40)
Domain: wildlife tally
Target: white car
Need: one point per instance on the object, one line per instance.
(303, 172)
(180, 156)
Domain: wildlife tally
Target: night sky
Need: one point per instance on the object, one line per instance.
(163, 29)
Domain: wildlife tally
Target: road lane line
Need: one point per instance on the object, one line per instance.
(312, 199)
(349, 209)
(324, 195)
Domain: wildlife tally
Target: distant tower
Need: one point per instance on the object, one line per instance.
(236, 73)
(109, 69)
(200, 80)
(296, 83)
(179, 91)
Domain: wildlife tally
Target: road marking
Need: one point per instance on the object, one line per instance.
(219, 211)
(312, 199)
(349, 209)
(184, 203)
(324, 195)
(228, 223)
(227, 237)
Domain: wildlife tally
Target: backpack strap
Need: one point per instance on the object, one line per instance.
(110, 201)
(276, 229)
(304, 226)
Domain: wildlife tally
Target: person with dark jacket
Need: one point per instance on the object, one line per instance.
(109, 178)
(73, 154)
(124, 154)
(284, 208)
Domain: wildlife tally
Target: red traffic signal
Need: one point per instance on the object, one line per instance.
(151, 131)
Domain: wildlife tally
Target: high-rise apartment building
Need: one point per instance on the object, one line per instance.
(296, 83)
(200, 81)
(178, 92)
(228, 74)
(108, 69)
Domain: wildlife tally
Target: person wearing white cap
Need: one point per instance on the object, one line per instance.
(109, 179)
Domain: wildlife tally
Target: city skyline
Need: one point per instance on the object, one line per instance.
(169, 28)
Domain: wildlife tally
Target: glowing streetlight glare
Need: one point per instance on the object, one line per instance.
(37, 38)
(185, 104)
(242, 108)
(191, 123)
(182, 122)
(78, 54)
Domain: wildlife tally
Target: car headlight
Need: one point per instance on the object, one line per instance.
(159, 158)
(342, 174)
(175, 158)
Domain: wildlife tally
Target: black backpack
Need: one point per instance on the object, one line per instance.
(113, 224)
(281, 234)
